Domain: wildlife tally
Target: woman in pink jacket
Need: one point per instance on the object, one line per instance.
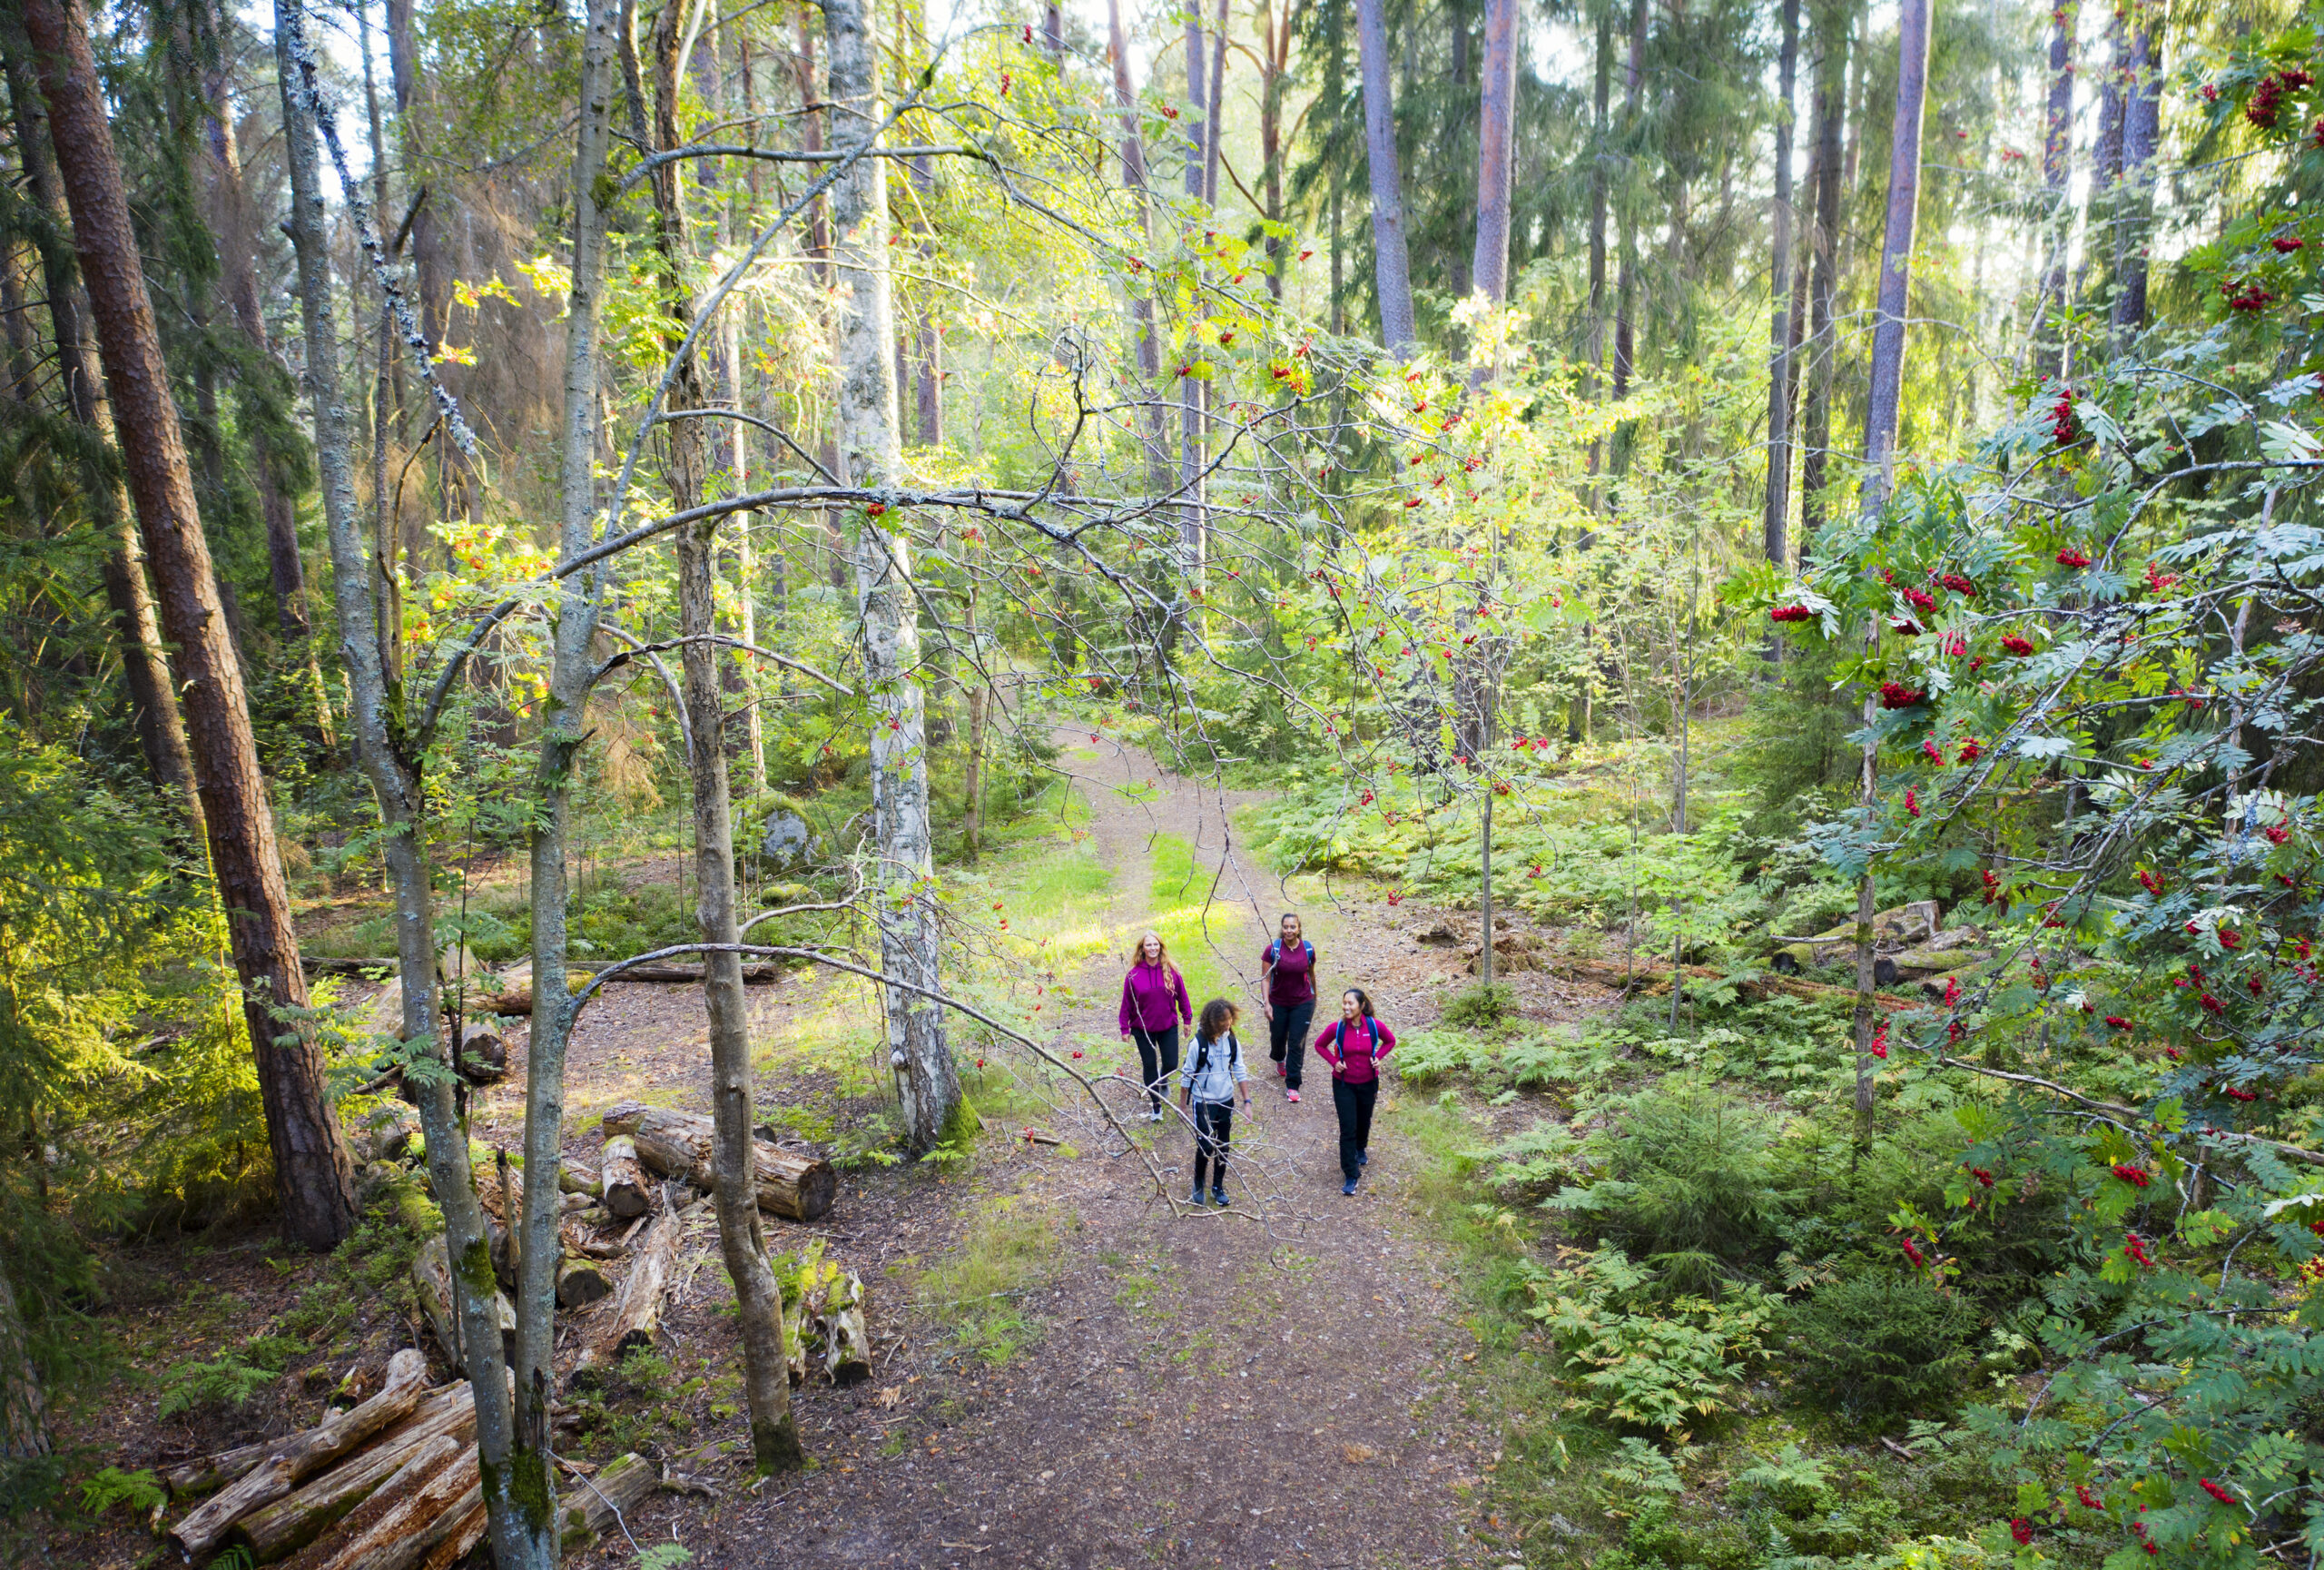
(1154, 1002)
(1355, 1045)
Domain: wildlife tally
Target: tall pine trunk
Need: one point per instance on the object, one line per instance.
(1883, 400)
(391, 766)
(872, 458)
(313, 1182)
(145, 669)
(1823, 288)
(1496, 150)
(766, 1382)
(1777, 522)
(1391, 265)
(2141, 131)
(2057, 161)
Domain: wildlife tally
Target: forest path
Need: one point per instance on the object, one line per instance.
(1273, 1385)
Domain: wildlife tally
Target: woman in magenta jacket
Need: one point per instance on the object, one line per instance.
(1355, 1045)
(1154, 1002)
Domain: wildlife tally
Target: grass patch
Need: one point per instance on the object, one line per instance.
(977, 1293)
(1194, 929)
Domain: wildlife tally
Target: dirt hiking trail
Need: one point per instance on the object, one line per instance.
(1273, 1385)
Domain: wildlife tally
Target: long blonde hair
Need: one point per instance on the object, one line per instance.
(1161, 952)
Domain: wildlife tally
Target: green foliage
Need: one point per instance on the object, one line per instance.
(231, 1380)
(1664, 1366)
(1881, 1346)
(1010, 1247)
(1481, 1007)
(1687, 1183)
(110, 1485)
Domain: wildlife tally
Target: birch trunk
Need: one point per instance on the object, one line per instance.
(519, 1487)
(380, 744)
(871, 456)
(313, 1181)
(775, 1433)
(1391, 267)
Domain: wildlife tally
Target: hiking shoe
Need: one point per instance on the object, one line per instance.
(1218, 1198)
(1364, 1158)
(1155, 1116)
(1278, 1068)
(1194, 1198)
(1348, 1187)
(1291, 1096)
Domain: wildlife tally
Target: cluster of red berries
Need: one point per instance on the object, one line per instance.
(2159, 580)
(1985, 1177)
(2286, 245)
(1993, 887)
(2022, 1530)
(2153, 885)
(1920, 599)
(1912, 1252)
(2136, 1176)
(2215, 1492)
(2117, 1023)
(1905, 626)
(1896, 695)
(2012, 642)
(2072, 556)
(1959, 585)
(2064, 428)
(2266, 99)
(2245, 296)
(1791, 613)
(1969, 751)
(1912, 805)
(2135, 1247)
(1880, 1046)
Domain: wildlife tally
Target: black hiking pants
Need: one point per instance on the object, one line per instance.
(1158, 1055)
(1287, 1039)
(1213, 1131)
(1353, 1103)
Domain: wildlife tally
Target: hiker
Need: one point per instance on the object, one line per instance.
(1215, 1076)
(1153, 999)
(1354, 1045)
(1287, 972)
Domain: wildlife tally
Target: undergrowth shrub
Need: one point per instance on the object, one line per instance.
(1688, 1184)
(1880, 1346)
(1666, 1367)
(1481, 1007)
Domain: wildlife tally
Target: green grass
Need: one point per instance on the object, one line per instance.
(977, 1292)
(1192, 927)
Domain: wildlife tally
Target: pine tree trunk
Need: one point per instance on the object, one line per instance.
(314, 1183)
(1777, 521)
(2141, 131)
(1141, 305)
(376, 711)
(2057, 171)
(1831, 100)
(1496, 152)
(145, 669)
(775, 1434)
(1392, 268)
(872, 458)
(1626, 272)
(24, 1400)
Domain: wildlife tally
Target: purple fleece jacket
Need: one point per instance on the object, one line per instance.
(1153, 996)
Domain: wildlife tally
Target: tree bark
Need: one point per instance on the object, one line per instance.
(2141, 129)
(145, 669)
(296, 1520)
(775, 1433)
(1777, 522)
(2057, 169)
(1831, 102)
(624, 1186)
(1141, 305)
(926, 1082)
(1496, 159)
(24, 1399)
(1884, 392)
(1391, 267)
(1626, 268)
(407, 1517)
(314, 1182)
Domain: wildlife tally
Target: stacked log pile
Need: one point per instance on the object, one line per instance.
(393, 1484)
(790, 1183)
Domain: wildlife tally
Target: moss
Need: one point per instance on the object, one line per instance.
(476, 1271)
(525, 1484)
(963, 1125)
(776, 1446)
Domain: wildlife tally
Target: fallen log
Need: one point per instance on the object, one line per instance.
(290, 1461)
(635, 1313)
(292, 1523)
(1648, 977)
(847, 1339)
(401, 1486)
(680, 1145)
(573, 1178)
(400, 1533)
(581, 1282)
(595, 1504)
(483, 1056)
(460, 1542)
(431, 1277)
(621, 1185)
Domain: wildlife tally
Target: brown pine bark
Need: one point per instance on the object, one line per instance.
(2057, 154)
(1391, 267)
(1831, 99)
(314, 1180)
(1626, 269)
(1776, 522)
(145, 669)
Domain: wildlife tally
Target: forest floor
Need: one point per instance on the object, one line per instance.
(1073, 1369)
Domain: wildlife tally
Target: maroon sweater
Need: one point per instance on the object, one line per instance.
(1357, 1061)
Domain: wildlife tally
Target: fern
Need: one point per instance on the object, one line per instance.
(229, 1381)
(141, 1491)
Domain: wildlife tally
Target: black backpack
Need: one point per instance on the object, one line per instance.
(1202, 1059)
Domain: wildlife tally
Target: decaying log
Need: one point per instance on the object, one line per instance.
(483, 1056)
(573, 1178)
(622, 1185)
(635, 1313)
(581, 1282)
(847, 1338)
(399, 1534)
(388, 1499)
(290, 1461)
(591, 1506)
(460, 1542)
(432, 1275)
(680, 1145)
(1648, 977)
(291, 1523)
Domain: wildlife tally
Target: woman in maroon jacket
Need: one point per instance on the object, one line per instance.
(1287, 970)
(1355, 1045)
(1154, 1002)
